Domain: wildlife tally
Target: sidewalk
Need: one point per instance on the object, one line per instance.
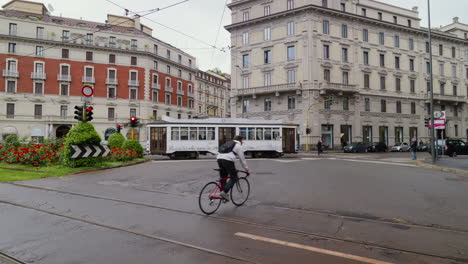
(457, 165)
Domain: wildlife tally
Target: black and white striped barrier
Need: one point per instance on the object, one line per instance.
(90, 151)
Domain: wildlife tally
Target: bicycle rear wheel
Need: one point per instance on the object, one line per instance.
(208, 204)
(240, 191)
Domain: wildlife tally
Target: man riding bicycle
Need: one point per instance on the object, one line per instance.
(226, 157)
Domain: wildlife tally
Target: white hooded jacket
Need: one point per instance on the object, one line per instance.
(231, 156)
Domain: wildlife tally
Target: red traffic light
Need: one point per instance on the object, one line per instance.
(133, 119)
(90, 108)
(119, 126)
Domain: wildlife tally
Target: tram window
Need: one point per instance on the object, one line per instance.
(193, 133)
(211, 133)
(251, 135)
(267, 133)
(202, 133)
(243, 132)
(259, 134)
(175, 133)
(276, 133)
(184, 133)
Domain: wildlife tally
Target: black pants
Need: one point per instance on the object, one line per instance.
(227, 168)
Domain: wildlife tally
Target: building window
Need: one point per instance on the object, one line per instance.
(363, 12)
(180, 58)
(38, 88)
(326, 27)
(411, 44)
(63, 111)
(267, 34)
(326, 75)
(398, 107)
(455, 127)
(11, 87)
(454, 71)
(442, 88)
(112, 42)
(179, 100)
(133, 61)
(39, 51)
(65, 53)
(344, 31)
(398, 84)
(396, 40)
(383, 106)
(345, 103)
(366, 57)
(245, 38)
(12, 47)
(345, 78)
(454, 90)
(343, 7)
(327, 104)
(13, 29)
(413, 108)
(111, 93)
(64, 89)
(324, 3)
(413, 86)
(428, 68)
(344, 54)
(291, 76)
(382, 60)
(365, 35)
(168, 99)
(168, 54)
(290, 28)
(267, 56)
(112, 58)
(37, 111)
(291, 52)
(133, 94)
(132, 111)
(10, 110)
(366, 81)
(180, 73)
(267, 79)
(381, 38)
(245, 82)
(441, 50)
(111, 114)
(409, 23)
(168, 69)
(326, 51)
(89, 38)
(397, 63)
(367, 105)
(89, 56)
(455, 111)
(382, 83)
(395, 19)
(40, 32)
(266, 10)
(155, 65)
(428, 86)
(428, 48)
(245, 106)
(291, 102)
(245, 60)
(411, 65)
(290, 4)
(245, 16)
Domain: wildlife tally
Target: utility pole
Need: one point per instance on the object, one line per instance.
(434, 148)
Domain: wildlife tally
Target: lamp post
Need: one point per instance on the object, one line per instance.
(431, 84)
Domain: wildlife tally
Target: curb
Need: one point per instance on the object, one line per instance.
(108, 168)
(435, 167)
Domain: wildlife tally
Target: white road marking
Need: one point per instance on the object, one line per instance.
(183, 161)
(312, 159)
(381, 162)
(286, 161)
(314, 249)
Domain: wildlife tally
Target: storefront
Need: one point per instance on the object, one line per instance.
(367, 134)
(327, 136)
(383, 134)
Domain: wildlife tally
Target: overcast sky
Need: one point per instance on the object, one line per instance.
(201, 19)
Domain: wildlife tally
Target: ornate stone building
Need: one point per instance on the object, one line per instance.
(372, 57)
(212, 94)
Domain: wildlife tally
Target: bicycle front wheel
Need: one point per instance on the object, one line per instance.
(208, 204)
(240, 191)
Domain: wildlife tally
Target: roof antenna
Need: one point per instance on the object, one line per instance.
(126, 12)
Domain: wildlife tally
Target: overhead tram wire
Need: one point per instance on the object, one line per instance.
(102, 29)
(219, 29)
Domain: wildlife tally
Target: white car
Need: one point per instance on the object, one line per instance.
(401, 147)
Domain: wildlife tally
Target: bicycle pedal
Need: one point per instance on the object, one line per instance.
(225, 201)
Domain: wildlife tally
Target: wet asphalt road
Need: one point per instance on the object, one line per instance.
(361, 208)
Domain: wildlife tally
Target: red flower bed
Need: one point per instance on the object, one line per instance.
(30, 154)
(122, 154)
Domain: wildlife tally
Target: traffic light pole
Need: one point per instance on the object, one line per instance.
(307, 120)
(434, 148)
(84, 112)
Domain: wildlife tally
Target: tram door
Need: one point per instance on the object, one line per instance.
(289, 137)
(158, 140)
(226, 134)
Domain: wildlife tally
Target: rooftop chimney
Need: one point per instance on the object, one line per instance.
(456, 19)
(137, 24)
(415, 8)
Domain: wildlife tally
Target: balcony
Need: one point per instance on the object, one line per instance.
(338, 88)
(88, 79)
(180, 92)
(447, 98)
(64, 78)
(156, 86)
(112, 81)
(276, 89)
(38, 75)
(10, 73)
(168, 89)
(133, 83)
(191, 94)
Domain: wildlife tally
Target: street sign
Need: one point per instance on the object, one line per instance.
(82, 151)
(87, 91)
(439, 124)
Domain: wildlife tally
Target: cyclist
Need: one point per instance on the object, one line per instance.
(226, 157)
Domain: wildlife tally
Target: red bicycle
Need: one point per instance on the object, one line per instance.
(209, 199)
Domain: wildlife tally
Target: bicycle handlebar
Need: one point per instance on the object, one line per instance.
(246, 173)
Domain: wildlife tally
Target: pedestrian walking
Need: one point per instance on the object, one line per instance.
(319, 147)
(413, 147)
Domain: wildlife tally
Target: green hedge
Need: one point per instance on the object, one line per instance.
(116, 140)
(12, 140)
(81, 134)
(135, 145)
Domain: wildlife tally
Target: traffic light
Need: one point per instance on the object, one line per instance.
(426, 122)
(119, 127)
(133, 121)
(79, 113)
(330, 98)
(308, 131)
(89, 114)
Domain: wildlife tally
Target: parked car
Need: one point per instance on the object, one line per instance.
(378, 147)
(440, 147)
(422, 147)
(401, 147)
(454, 147)
(357, 147)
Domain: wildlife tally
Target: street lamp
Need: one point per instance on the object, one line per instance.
(433, 141)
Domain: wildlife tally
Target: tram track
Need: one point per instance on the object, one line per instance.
(237, 221)
(6, 259)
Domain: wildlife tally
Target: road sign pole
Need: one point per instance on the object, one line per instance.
(433, 140)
